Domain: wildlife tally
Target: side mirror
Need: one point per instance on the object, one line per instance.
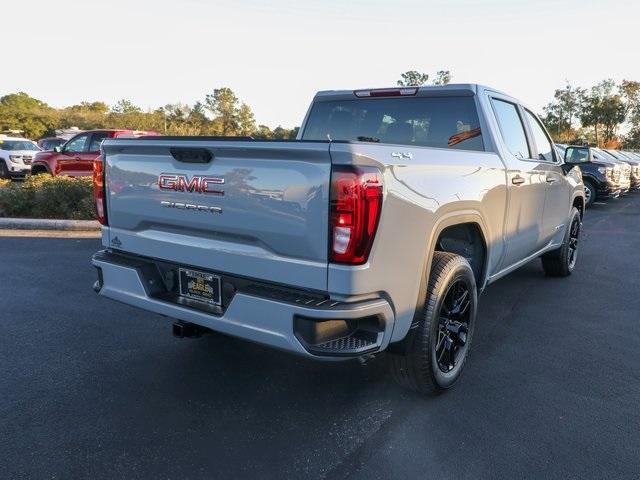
(57, 149)
(577, 155)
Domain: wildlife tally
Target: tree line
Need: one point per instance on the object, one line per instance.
(219, 113)
(606, 114)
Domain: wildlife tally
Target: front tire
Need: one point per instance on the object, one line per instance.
(4, 171)
(440, 344)
(590, 192)
(562, 261)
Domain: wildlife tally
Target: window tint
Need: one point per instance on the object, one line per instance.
(511, 128)
(96, 141)
(444, 122)
(77, 144)
(543, 143)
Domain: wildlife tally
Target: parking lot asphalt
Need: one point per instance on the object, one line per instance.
(93, 389)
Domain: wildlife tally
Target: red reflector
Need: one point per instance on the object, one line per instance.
(356, 202)
(99, 192)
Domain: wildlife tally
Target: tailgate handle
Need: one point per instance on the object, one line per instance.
(191, 155)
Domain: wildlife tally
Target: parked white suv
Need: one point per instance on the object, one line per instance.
(16, 155)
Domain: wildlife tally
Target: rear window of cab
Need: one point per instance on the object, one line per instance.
(442, 122)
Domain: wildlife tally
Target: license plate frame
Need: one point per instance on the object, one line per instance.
(201, 286)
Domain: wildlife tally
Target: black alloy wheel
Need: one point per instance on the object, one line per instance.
(432, 356)
(562, 261)
(589, 194)
(451, 341)
(574, 241)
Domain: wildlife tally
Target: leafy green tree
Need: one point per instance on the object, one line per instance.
(19, 111)
(632, 138)
(630, 93)
(86, 115)
(222, 104)
(560, 114)
(413, 78)
(197, 116)
(262, 132)
(281, 133)
(177, 112)
(443, 77)
(604, 110)
(125, 106)
(246, 120)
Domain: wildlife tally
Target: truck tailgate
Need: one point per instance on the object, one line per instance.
(255, 209)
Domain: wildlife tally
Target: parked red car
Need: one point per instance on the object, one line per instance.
(75, 158)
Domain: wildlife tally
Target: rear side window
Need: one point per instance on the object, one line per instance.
(542, 141)
(442, 122)
(96, 141)
(511, 128)
(77, 144)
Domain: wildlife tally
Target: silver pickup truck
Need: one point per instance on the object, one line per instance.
(374, 231)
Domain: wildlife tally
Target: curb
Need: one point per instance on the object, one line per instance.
(43, 224)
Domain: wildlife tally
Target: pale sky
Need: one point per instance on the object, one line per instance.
(276, 54)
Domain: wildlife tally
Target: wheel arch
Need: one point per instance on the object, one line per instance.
(451, 226)
(40, 167)
(580, 203)
(470, 219)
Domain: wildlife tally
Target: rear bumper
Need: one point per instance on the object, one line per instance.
(287, 324)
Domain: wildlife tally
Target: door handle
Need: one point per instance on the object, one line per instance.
(551, 180)
(517, 180)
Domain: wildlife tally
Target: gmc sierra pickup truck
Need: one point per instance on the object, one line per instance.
(374, 231)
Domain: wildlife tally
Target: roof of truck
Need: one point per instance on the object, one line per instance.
(427, 90)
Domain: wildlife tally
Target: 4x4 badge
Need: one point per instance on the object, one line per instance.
(407, 155)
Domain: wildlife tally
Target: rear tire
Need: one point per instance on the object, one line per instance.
(440, 344)
(590, 192)
(562, 261)
(4, 171)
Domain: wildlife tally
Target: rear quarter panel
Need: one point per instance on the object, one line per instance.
(423, 195)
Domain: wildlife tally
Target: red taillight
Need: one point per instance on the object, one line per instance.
(98, 191)
(356, 202)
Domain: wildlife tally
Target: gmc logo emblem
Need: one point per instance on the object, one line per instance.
(198, 183)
